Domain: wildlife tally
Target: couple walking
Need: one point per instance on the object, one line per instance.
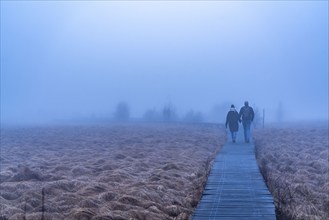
(246, 116)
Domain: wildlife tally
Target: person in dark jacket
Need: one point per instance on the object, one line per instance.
(246, 115)
(232, 119)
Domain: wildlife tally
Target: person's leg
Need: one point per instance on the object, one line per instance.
(248, 124)
(234, 136)
(244, 123)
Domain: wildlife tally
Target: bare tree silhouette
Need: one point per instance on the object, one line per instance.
(122, 112)
(169, 113)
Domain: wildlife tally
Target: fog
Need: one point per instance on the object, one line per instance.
(79, 59)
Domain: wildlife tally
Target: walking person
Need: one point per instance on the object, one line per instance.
(232, 119)
(247, 115)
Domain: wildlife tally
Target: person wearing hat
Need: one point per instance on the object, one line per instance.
(232, 120)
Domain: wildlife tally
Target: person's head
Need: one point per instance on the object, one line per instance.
(246, 103)
(232, 106)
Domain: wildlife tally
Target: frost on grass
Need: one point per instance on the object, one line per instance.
(131, 171)
(294, 163)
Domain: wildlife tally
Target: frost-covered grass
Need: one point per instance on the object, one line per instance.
(131, 171)
(295, 164)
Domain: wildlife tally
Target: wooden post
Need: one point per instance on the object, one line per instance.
(263, 117)
(24, 217)
(43, 204)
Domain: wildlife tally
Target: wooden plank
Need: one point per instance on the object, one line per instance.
(235, 188)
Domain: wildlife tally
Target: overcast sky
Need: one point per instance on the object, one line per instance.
(80, 58)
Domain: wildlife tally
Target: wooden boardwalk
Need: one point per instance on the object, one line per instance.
(235, 188)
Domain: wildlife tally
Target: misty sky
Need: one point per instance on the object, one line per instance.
(80, 58)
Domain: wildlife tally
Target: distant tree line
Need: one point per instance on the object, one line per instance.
(168, 113)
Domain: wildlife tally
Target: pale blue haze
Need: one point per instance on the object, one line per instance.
(61, 60)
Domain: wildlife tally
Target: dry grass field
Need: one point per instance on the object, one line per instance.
(295, 163)
(132, 171)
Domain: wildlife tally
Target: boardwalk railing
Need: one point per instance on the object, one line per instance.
(235, 188)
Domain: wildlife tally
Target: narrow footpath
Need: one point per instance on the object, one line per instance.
(235, 188)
